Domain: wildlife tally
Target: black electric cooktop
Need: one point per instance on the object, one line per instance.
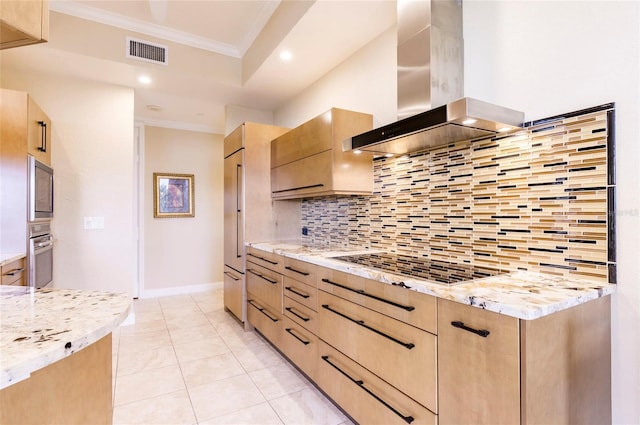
(422, 268)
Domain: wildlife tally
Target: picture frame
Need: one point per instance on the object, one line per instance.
(173, 195)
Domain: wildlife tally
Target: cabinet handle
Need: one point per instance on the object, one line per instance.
(290, 310)
(263, 259)
(262, 310)
(297, 271)
(232, 276)
(239, 223)
(360, 383)
(298, 293)
(43, 139)
(482, 332)
(298, 188)
(271, 281)
(375, 297)
(14, 272)
(297, 337)
(407, 345)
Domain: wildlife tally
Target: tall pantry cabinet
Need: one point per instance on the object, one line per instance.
(249, 212)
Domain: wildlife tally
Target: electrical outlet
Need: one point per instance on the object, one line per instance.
(305, 231)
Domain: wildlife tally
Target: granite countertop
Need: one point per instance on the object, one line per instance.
(520, 294)
(8, 258)
(39, 327)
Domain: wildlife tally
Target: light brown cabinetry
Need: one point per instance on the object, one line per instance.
(23, 22)
(495, 369)
(14, 273)
(309, 161)
(38, 133)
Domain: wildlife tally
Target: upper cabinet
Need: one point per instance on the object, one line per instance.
(308, 160)
(38, 133)
(23, 22)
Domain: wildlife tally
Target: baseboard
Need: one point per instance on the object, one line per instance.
(180, 290)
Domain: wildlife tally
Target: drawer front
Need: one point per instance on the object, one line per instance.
(404, 356)
(265, 285)
(364, 396)
(300, 346)
(13, 273)
(301, 271)
(303, 177)
(265, 319)
(301, 314)
(265, 259)
(233, 292)
(303, 293)
(414, 308)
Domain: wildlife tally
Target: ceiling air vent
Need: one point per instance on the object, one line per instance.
(146, 51)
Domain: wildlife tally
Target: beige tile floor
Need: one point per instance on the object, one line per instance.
(186, 361)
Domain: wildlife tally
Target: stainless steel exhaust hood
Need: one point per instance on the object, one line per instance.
(430, 79)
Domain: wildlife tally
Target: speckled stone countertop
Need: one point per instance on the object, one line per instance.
(8, 258)
(524, 295)
(39, 327)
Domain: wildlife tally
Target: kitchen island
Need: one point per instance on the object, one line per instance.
(55, 354)
(389, 347)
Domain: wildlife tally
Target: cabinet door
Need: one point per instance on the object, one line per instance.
(265, 285)
(13, 273)
(308, 176)
(478, 376)
(233, 292)
(39, 133)
(300, 346)
(23, 22)
(233, 211)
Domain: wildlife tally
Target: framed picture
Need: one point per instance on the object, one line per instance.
(173, 195)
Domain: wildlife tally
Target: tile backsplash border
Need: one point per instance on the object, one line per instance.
(540, 200)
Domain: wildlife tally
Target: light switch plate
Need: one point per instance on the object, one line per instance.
(91, 223)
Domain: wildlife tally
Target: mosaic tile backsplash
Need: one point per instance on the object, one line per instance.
(540, 201)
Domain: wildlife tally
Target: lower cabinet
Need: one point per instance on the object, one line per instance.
(265, 319)
(363, 395)
(13, 273)
(300, 346)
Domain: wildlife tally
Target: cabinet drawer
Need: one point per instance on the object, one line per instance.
(310, 138)
(304, 294)
(300, 346)
(265, 285)
(404, 356)
(13, 273)
(367, 398)
(301, 314)
(408, 306)
(301, 271)
(265, 259)
(266, 320)
(307, 176)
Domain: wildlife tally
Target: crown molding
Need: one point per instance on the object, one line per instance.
(267, 10)
(177, 125)
(103, 17)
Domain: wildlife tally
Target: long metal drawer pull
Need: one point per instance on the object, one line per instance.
(232, 276)
(262, 310)
(297, 337)
(299, 188)
(297, 271)
(298, 293)
(14, 272)
(375, 297)
(263, 259)
(271, 281)
(360, 383)
(407, 345)
(482, 332)
(290, 310)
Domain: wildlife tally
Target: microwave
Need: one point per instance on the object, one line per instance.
(40, 191)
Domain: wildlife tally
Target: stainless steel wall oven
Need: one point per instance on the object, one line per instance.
(40, 191)
(40, 255)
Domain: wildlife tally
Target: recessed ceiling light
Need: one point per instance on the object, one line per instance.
(154, 108)
(286, 55)
(468, 121)
(503, 129)
(144, 79)
(389, 155)
(357, 151)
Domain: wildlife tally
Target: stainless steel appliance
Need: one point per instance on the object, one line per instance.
(248, 209)
(40, 181)
(422, 268)
(40, 256)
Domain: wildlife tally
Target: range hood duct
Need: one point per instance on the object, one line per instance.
(431, 108)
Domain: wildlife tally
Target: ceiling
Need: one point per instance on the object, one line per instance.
(219, 52)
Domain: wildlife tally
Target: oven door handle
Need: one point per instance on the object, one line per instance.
(40, 247)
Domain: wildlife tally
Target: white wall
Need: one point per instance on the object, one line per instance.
(92, 157)
(544, 58)
(184, 254)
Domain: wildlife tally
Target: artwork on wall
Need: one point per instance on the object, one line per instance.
(173, 195)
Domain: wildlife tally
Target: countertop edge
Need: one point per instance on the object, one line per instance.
(10, 258)
(464, 293)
